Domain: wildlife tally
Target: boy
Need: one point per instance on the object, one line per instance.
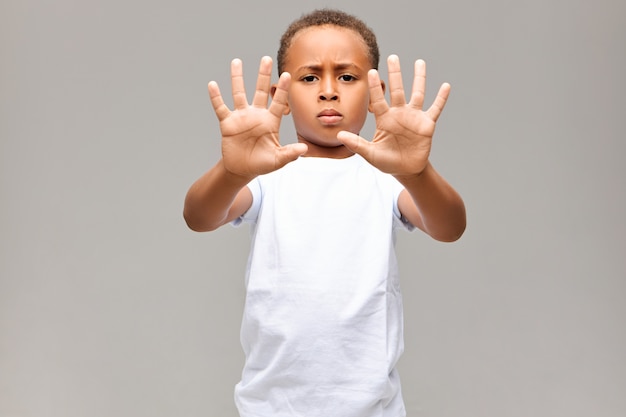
(322, 323)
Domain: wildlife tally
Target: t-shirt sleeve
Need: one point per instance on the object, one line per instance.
(399, 220)
(251, 215)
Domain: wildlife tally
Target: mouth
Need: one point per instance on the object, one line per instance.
(329, 117)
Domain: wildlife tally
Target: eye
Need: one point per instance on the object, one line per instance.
(347, 77)
(309, 78)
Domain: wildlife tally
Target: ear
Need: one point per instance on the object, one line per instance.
(272, 92)
(382, 85)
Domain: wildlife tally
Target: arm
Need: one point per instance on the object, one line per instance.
(432, 205)
(250, 147)
(216, 198)
(401, 147)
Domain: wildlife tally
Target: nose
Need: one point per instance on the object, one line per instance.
(328, 90)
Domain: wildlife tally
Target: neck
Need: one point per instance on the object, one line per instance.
(332, 152)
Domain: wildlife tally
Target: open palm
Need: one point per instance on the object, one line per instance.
(404, 131)
(250, 133)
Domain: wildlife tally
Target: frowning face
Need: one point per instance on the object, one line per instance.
(329, 90)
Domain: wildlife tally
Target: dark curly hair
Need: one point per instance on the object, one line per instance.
(322, 17)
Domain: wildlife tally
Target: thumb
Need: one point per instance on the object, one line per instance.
(289, 153)
(355, 143)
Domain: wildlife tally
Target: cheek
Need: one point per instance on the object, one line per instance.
(365, 105)
(297, 99)
(364, 110)
(298, 113)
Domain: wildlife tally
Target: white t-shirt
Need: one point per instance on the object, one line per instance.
(322, 326)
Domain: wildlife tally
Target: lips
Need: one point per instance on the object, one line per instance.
(329, 117)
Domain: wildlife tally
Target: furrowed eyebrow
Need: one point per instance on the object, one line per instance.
(338, 67)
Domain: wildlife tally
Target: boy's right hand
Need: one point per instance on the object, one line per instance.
(250, 133)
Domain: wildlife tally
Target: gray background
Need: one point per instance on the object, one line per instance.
(109, 306)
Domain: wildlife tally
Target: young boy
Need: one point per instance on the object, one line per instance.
(322, 324)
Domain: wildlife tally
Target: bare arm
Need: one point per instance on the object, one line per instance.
(250, 147)
(401, 147)
(216, 198)
(432, 205)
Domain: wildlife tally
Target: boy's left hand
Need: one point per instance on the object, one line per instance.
(404, 131)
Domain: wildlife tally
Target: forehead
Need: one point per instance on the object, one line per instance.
(327, 42)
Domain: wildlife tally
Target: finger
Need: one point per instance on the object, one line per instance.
(419, 85)
(440, 102)
(356, 144)
(221, 110)
(279, 101)
(263, 82)
(377, 96)
(289, 153)
(239, 92)
(396, 88)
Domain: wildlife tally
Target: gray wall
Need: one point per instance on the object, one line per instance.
(109, 306)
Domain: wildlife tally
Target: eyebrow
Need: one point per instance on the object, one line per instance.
(340, 67)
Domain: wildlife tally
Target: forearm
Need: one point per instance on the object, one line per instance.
(440, 209)
(210, 201)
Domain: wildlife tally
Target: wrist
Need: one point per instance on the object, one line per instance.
(233, 178)
(407, 179)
